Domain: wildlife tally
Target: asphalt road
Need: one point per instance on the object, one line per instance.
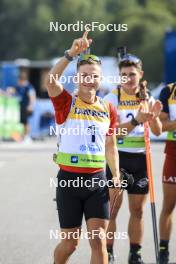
(28, 215)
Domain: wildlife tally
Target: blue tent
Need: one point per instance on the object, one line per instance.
(170, 56)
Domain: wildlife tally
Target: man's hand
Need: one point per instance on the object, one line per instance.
(55, 88)
(143, 114)
(80, 45)
(149, 112)
(155, 108)
(116, 182)
(112, 157)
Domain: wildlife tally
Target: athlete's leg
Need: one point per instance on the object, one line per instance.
(112, 222)
(136, 225)
(70, 212)
(97, 228)
(67, 245)
(169, 199)
(96, 209)
(169, 203)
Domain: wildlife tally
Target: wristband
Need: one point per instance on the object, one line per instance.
(67, 56)
(134, 122)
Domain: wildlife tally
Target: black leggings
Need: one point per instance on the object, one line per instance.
(134, 163)
(74, 202)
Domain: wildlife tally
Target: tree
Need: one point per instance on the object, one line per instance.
(25, 31)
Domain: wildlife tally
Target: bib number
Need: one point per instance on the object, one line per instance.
(92, 129)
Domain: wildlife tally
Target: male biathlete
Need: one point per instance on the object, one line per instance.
(82, 155)
(132, 115)
(168, 119)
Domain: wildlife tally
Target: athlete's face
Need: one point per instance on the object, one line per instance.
(89, 78)
(133, 76)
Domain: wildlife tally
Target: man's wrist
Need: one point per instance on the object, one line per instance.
(135, 122)
(116, 181)
(69, 55)
(117, 176)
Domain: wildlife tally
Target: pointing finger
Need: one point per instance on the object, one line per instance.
(86, 33)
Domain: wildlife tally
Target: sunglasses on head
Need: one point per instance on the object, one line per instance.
(131, 58)
(87, 57)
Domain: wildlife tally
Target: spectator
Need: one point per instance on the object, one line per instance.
(27, 97)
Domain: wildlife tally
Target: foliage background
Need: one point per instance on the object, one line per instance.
(25, 28)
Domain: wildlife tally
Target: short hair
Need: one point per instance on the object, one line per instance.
(88, 61)
(128, 63)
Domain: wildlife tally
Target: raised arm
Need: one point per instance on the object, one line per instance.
(52, 81)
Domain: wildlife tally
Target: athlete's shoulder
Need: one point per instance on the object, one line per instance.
(166, 92)
(164, 97)
(115, 91)
(171, 86)
(62, 104)
(112, 97)
(168, 88)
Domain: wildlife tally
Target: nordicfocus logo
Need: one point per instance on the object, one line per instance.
(81, 182)
(74, 159)
(81, 26)
(80, 78)
(88, 131)
(94, 234)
